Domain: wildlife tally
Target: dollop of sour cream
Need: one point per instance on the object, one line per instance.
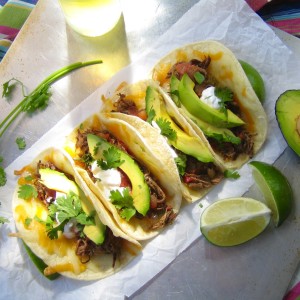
(208, 97)
(110, 179)
(70, 229)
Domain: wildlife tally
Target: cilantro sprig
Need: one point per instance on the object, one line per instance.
(222, 138)
(20, 141)
(63, 210)
(3, 220)
(225, 95)
(38, 99)
(27, 191)
(111, 159)
(124, 202)
(166, 129)
(180, 161)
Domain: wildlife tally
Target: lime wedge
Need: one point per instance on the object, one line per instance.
(255, 79)
(234, 221)
(275, 188)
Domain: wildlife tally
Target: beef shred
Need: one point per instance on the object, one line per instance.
(85, 248)
(160, 214)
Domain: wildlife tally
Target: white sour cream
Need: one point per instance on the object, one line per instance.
(70, 229)
(111, 178)
(208, 96)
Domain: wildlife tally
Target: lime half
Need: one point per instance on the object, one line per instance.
(275, 188)
(234, 221)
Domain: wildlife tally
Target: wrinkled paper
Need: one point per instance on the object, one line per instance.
(240, 29)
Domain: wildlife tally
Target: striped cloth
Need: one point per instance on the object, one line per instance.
(13, 14)
(282, 14)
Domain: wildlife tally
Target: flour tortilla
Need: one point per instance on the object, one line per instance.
(157, 143)
(139, 148)
(56, 253)
(227, 71)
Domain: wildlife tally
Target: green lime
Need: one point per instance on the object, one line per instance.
(255, 79)
(234, 221)
(275, 188)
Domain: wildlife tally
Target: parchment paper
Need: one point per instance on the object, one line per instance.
(240, 29)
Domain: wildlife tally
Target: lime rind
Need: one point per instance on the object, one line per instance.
(276, 190)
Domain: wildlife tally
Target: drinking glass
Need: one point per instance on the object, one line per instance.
(91, 17)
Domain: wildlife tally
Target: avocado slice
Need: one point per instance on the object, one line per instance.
(140, 191)
(58, 181)
(201, 110)
(221, 134)
(174, 84)
(287, 111)
(185, 143)
(39, 263)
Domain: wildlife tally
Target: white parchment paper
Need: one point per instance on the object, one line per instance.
(240, 29)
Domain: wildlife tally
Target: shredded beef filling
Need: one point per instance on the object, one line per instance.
(159, 214)
(85, 248)
(227, 150)
(126, 106)
(46, 195)
(199, 175)
(231, 152)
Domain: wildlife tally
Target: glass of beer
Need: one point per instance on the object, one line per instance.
(91, 17)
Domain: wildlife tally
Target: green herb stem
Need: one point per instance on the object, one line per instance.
(42, 88)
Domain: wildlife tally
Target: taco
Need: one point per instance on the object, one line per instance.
(56, 218)
(148, 108)
(213, 93)
(118, 166)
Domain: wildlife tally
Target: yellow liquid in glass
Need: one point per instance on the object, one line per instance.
(91, 17)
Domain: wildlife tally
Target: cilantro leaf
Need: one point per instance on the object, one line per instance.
(27, 191)
(112, 159)
(84, 219)
(166, 130)
(9, 85)
(48, 223)
(151, 115)
(29, 178)
(123, 202)
(180, 161)
(3, 220)
(199, 77)
(222, 138)
(87, 158)
(3, 178)
(225, 95)
(127, 213)
(232, 174)
(52, 232)
(65, 208)
(21, 143)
